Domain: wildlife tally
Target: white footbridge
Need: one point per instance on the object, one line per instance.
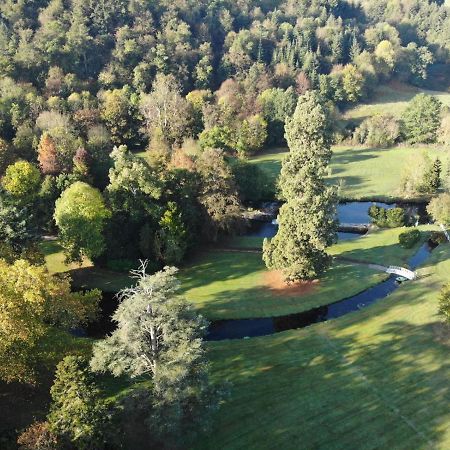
(401, 271)
(395, 270)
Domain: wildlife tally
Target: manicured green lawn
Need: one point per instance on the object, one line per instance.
(391, 99)
(54, 258)
(84, 276)
(374, 379)
(233, 284)
(361, 173)
(365, 173)
(379, 246)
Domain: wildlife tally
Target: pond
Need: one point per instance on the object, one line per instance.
(347, 213)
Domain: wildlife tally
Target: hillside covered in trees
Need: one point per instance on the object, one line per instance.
(79, 78)
(146, 133)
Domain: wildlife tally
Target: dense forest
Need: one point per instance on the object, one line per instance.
(176, 78)
(126, 128)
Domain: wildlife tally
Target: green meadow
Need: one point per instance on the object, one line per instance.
(377, 378)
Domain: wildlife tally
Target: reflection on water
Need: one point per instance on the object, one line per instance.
(241, 328)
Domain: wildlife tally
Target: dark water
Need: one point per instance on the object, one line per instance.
(349, 213)
(242, 328)
(354, 212)
(268, 229)
(357, 212)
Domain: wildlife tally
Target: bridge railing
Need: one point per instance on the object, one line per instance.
(402, 272)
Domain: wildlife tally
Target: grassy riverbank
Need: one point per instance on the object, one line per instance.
(232, 284)
(377, 378)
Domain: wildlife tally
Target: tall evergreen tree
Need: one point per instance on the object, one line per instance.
(78, 414)
(159, 336)
(307, 223)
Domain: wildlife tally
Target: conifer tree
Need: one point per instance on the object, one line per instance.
(307, 223)
(159, 336)
(78, 415)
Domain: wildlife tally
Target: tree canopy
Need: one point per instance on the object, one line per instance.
(31, 302)
(80, 215)
(307, 223)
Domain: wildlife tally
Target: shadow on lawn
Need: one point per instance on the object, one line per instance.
(325, 389)
(355, 155)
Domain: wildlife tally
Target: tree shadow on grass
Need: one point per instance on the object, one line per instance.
(354, 155)
(318, 388)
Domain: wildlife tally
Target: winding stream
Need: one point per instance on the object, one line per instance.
(354, 212)
(242, 328)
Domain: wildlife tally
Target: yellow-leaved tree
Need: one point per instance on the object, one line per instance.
(32, 303)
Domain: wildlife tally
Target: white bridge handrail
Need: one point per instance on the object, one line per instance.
(409, 274)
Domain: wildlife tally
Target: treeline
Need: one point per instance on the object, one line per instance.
(198, 85)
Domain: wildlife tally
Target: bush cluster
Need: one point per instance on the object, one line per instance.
(387, 218)
(409, 238)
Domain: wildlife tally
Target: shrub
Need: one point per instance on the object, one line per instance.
(395, 217)
(444, 303)
(387, 218)
(409, 238)
(37, 437)
(378, 131)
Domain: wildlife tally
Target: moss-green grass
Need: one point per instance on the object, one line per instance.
(391, 99)
(84, 276)
(374, 379)
(365, 173)
(378, 246)
(362, 173)
(55, 259)
(225, 285)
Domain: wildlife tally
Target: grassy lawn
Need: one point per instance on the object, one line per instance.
(380, 247)
(54, 258)
(391, 99)
(224, 285)
(365, 173)
(377, 378)
(362, 173)
(84, 276)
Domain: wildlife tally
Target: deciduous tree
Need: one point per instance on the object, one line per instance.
(31, 302)
(22, 180)
(80, 215)
(422, 119)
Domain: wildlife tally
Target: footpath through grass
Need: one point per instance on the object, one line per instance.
(376, 378)
(362, 173)
(226, 285)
